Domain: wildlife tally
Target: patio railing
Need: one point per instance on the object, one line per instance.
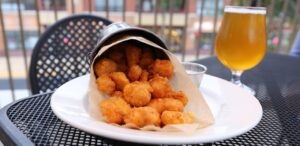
(188, 26)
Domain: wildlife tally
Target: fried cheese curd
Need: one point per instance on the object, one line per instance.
(144, 76)
(178, 95)
(117, 94)
(147, 58)
(105, 66)
(106, 84)
(166, 104)
(175, 117)
(163, 68)
(160, 86)
(122, 67)
(138, 93)
(133, 54)
(134, 72)
(142, 116)
(139, 88)
(120, 79)
(117, 55)
(114, 109)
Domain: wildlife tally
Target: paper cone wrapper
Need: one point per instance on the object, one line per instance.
(179, 81)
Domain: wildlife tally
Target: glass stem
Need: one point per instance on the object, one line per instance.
(236, 78)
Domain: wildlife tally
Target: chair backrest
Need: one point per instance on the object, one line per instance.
(61, 53)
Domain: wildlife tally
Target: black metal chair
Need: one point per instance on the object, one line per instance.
(61, 53)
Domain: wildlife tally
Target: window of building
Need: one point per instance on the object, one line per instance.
(113, 5)
(178, 5)
(207, 41)
(51, 5)
(176, 38)
(147, 5)
(164, 5)
(14, 39)
(176, 35)
(209, 7)
(12, 5)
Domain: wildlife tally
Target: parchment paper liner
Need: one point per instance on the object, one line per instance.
(180, 81)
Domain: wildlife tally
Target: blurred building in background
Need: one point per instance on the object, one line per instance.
(134, 9)
(155, 15)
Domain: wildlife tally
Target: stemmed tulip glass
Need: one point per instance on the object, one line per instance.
(241, 41)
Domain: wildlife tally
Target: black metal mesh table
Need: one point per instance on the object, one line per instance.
(276, 81)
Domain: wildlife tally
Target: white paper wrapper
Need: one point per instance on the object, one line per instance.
(179, 81)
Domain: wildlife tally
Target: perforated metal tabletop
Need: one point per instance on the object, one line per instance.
(276, 81)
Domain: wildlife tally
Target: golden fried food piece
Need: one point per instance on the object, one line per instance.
(114, 109)
(134, 72)
(117, 94)
(147, 58)
(144, 76)
(122, 67)
(117, 55)
(169, 104)
(142, 116)
(104, 66)
(133, 54)
(163, 68)
(175, 117)
(137, 93)
(178, 95)
(160, 86)
(106, 84)
(120, 79)
(189, 117)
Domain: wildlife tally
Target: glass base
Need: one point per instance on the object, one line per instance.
(246, 88)
(236, 79)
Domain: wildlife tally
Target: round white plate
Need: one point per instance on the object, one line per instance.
(235, 111)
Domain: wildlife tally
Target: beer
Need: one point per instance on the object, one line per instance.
(241, 40)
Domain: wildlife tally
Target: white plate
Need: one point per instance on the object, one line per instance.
(235, 112)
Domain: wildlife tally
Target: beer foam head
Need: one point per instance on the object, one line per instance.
(245, 10)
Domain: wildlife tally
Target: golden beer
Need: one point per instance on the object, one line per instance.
(241, 40)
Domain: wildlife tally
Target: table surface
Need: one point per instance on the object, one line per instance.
(276, 81)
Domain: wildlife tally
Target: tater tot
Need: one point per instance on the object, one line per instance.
(134, 72)
(142, 116)
(147, 58)
(114, 109)
(104, 66)
(137, 93)
(144, 76)
(169, 104)
(175, 117)
(160, 86)
(178, 95)
(106, 84)
(120, 79)
(133, 54)
(163, 68)
(117, 55)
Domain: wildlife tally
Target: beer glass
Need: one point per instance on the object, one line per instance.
(241, 41)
